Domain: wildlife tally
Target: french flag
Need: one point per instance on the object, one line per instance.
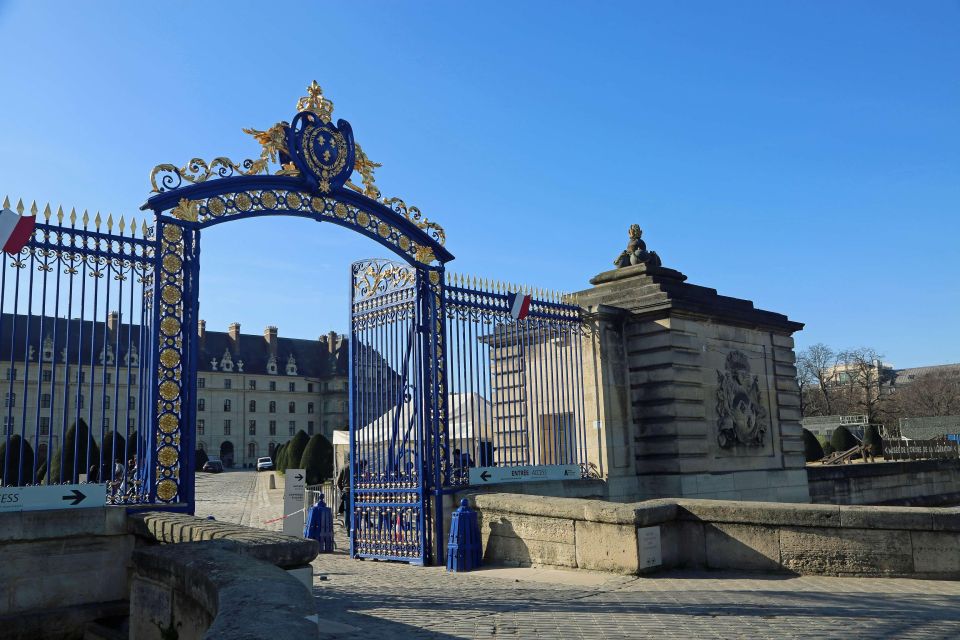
(15, 230)
(519, 305)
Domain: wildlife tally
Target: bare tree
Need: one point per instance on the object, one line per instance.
(862, 377)
(816, 366)
(932, 394)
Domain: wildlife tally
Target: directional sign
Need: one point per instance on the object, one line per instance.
(58, 496)
(528, 473)
(293, 500)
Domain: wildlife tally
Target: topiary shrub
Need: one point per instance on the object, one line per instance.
(812, 449)
(114, 448)
(317, 459)
(16, 469)
(294, 450)
(842, 439)
(279, 460)
(871, 438)
(79, 442)
(828, 449)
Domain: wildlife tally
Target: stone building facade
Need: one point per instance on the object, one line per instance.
(254, 391)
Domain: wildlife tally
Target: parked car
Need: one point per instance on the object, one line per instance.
(213, 466)
(264, 464)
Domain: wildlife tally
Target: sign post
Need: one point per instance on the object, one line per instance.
(57, 496)
(293, 500)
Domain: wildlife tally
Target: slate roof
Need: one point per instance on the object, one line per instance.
(313, 357)
(906, 376)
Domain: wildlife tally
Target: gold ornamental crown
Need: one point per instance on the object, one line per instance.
(315, 102)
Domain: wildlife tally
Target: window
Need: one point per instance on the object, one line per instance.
(47, 375)
(80, 400)
(273, 406)
(292, 386)
(11, 400)
(227, 405)
(292, 407)
(133, 378)
(226, 427)
(201, 404)
(293, 427)
(81, 376)
(8, 425)
(106, 422)
(106, 402)
(227, 383)
(273, 427)
(45, 401)
(201, 427)
(253, 427)
(108, 378)
(309, 387)
(44, 426)
(131, 423)
(310, 427)
(252, 406)
(273, 385)
(252, 450)
(253, 385)
(201, 383)
(132, 402)
(11, 374)
(309, 407)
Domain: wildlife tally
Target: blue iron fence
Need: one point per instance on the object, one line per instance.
(515, 380)
(75, 344)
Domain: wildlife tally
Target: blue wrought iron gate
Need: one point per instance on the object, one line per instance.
(396, 410)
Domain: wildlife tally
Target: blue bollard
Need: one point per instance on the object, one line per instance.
(464, 552)
(319, 526)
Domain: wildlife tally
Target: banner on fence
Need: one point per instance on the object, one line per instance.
(920, 449)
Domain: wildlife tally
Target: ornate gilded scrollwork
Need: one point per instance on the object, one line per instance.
(414, 215)
(197, 170)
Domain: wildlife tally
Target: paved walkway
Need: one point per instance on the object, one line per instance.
(365, 599)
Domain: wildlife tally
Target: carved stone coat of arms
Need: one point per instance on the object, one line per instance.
(741, 416)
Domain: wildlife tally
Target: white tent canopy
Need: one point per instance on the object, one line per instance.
(468, 416)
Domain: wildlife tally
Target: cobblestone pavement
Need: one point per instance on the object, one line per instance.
(388, 600)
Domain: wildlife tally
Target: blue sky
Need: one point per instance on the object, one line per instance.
(804, 155)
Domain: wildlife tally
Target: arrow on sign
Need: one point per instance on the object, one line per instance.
(77, 497)
(485, 476)
(299, 476)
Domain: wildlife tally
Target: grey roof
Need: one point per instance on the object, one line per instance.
(906, 376)
(19, 332)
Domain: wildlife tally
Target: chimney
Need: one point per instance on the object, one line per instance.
(332, 341)
(202, 329)
(113, 321)
(234, 332)
(270, 335)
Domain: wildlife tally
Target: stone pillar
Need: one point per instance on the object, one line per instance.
(696, 392)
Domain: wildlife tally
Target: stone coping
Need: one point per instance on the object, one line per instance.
(269, 546)
(60, 523)
(821, 472)
(247, 599)
(652, 512)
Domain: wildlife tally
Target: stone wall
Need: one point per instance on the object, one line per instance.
(713, 534)
(209, 579)
(915, 483)
(61, 569)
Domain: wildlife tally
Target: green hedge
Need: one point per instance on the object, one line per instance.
(63, 460)
(812, 449)
(14, 470)
(842, 439)
(317, 459)
(294, 450)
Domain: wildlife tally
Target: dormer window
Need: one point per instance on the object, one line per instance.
(291, 366)
(47, 349)
(272, 365)
(226, 362)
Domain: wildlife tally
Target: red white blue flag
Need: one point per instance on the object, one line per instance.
(15, 230)
(519, 305)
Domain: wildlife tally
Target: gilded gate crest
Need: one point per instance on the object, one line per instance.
(741, 416)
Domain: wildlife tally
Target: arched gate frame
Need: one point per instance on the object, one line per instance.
(316, 160)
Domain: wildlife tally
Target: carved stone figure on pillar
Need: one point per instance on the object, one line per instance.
(636, 251)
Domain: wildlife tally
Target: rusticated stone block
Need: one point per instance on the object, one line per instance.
(526, 552)
(741, 547)
(865, 552)
(607, 547)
